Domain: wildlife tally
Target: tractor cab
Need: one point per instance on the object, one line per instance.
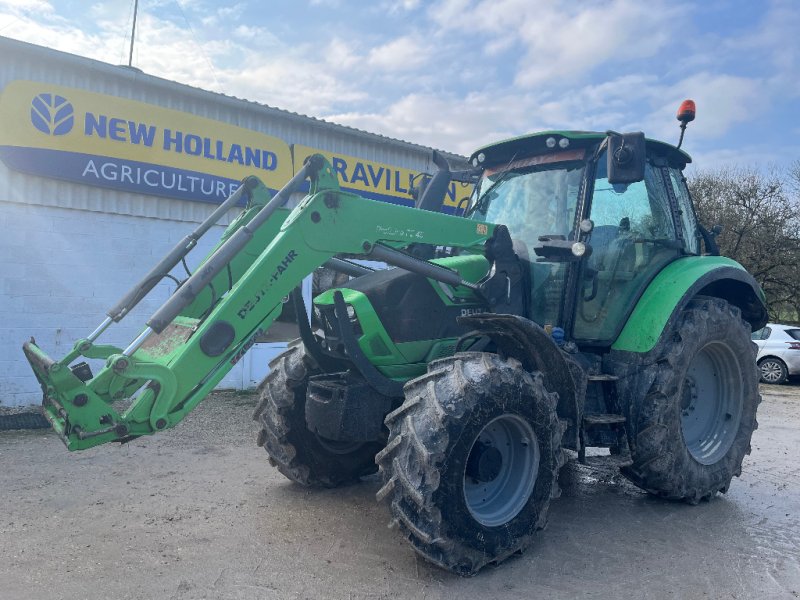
(595, 217)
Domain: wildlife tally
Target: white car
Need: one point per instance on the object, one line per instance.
(778, 352)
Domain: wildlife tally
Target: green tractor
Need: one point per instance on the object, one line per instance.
(576, 304)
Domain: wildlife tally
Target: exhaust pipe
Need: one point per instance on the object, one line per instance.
(433, 195)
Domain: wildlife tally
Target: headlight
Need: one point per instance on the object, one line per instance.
(579, 249)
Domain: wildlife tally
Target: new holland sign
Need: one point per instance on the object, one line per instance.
(101, 140)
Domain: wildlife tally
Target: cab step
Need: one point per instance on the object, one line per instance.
(616, 423)
(602, 377)
(602, 419)
(609, 461)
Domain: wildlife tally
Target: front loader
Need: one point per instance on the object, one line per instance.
(577, 303)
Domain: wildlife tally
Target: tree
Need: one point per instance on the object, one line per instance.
(759, 213)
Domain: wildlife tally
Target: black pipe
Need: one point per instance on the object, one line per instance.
(348, 268)
(432, 197)
(326, 361)
(378, 381)
(415, 265)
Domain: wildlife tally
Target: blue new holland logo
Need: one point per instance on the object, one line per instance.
(52, 114)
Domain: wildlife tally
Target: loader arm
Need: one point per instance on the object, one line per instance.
(236, 293)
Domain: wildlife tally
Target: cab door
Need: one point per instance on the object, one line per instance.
(633, 238)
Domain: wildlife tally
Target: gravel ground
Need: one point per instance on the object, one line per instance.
(197, 513)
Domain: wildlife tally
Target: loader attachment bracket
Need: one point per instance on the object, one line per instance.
(324, 359)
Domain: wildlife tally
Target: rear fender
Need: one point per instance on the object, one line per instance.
(524, 340)
(679, 282)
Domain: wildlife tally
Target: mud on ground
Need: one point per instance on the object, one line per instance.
(197, 513)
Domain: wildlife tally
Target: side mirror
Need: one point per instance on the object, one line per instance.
(626, 157)
(710, 238)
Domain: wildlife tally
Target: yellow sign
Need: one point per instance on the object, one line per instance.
(380, 181)
(96, 139)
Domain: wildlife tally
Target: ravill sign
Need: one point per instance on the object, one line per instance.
(102, 140)
(380, 181)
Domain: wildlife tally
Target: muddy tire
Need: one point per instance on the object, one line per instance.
(472, 460)
(690, 433)
(296, 452)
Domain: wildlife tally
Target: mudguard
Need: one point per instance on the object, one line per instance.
(526, 341)
(679, 282)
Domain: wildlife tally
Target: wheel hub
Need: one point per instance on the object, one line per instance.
(484, 463)
(501, 470)
(771, 371)
(689, 396)
(711, 403)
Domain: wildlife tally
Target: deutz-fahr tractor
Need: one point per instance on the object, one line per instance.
(576, 303)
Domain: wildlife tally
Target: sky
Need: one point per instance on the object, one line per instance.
(459, 74)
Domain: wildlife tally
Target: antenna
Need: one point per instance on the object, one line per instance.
(133, 31)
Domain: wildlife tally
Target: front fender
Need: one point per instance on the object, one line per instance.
(679, 282)
(524, 340)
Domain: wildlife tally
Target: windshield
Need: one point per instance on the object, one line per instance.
(531, 201)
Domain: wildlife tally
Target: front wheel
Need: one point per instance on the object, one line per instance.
(691, 431)
(300, 454)
(472, 460)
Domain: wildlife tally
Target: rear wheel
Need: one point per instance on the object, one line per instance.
(690, 433)
(773, 370)
(472, 460)
(301, 455)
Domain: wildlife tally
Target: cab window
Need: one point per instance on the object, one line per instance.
(633, 238)
(691, 237)
(535, 201)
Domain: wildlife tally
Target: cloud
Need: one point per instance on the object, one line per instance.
(447, 123)
(290, 84)
(402, 54)
(748, 155)
(340, 55)
(722, 101)
(225, 14)
(772, 43)
(274, 74)
(399, 6)
(461, 73)
(17, 7)
(601, 106)
(560, 41)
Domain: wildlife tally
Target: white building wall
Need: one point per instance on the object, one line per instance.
(61, 269)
